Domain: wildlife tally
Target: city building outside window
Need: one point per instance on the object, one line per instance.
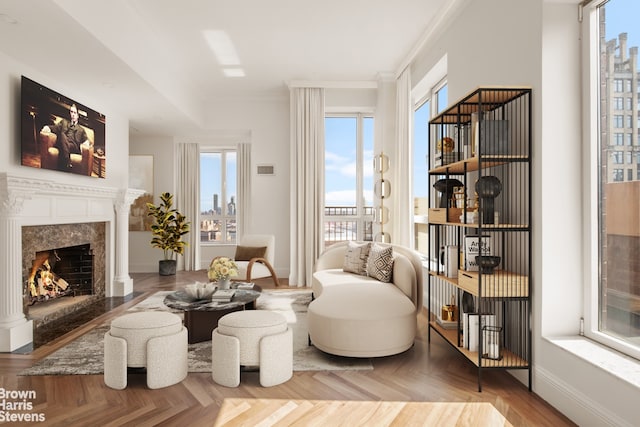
(218, 197)
(613, 314)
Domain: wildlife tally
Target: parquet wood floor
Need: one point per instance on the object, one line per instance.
(428, 372)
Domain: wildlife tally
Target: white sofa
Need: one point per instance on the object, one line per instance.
(358, 316)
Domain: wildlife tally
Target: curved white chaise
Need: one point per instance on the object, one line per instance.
(358, 316)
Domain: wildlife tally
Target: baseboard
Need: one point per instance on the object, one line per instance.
(573, 403)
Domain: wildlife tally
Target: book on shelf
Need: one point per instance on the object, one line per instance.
(472, 249)
(446, 324)
(474, 328)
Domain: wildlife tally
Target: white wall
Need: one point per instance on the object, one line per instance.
(117, 129)
(265, 123)
(535, 43)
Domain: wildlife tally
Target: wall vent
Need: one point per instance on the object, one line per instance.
(266, 170)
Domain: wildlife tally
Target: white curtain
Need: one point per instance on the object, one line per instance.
(402, 190)
(307, 182)
(188, 199)
(243, 190)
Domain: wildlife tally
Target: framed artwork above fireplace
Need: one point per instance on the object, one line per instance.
(59, 133)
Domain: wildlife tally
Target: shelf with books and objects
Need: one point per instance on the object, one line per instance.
(480, 227)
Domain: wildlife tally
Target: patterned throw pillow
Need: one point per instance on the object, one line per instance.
(355, 260)
(380, 262)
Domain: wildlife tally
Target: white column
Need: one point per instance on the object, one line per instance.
(15, 330)
(123, 283)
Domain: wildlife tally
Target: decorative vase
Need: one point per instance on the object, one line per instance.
(224, 283)
(167, 267)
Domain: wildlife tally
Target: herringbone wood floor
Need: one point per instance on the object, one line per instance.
(428, 372)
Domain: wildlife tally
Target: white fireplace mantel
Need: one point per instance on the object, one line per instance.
(28, 202)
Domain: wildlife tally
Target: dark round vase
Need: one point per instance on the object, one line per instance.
(488, 188)
(167, 267)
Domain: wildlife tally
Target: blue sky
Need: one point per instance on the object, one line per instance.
(340, 161)
(623, 16)
(210, 166)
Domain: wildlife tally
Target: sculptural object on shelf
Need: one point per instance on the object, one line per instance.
(447, 187)
(488, 188)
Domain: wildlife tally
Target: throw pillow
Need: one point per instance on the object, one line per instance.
(380, 262)
(246, 253)
(355, 260)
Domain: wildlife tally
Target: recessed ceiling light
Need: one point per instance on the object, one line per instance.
(222, 46)
(233, 72)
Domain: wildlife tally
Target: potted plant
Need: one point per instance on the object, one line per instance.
(168, 228)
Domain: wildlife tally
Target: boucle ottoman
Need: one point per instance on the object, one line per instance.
(153, 340)
(252, 338)
(362, 320)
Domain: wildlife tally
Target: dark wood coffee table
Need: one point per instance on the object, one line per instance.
(201, 316)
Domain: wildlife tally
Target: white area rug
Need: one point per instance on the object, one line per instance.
(84, 356)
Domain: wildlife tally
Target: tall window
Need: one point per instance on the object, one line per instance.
(617, 300)
(218, 197)
(435, 102)
(349, 178)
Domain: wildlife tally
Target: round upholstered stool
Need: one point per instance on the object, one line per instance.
(362, 320)
(252, 338)
(153, 340)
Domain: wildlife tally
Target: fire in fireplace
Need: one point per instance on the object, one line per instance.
(59, 272)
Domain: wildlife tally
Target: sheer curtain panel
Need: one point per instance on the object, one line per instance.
(402, 190)
(188, 200)
(244, 189)
(307, 182)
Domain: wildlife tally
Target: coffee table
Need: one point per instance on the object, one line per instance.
(201, 316)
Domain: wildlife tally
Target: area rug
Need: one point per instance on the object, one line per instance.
(84, 356)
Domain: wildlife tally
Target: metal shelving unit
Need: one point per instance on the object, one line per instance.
(480, 203)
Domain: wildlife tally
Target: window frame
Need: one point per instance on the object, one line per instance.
(361, 218)
(224, 217)
(436, 104)
(591, 186)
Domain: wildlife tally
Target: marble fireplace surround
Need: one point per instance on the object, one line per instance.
(32, 202)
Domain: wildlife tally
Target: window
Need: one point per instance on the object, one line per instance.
(420, 175)
(618, 121)
(618, 85)
(218, 197)
(618, 103)
(613, 313)
(617, 157)
(618, 138)
(423, 112)
(348, 204)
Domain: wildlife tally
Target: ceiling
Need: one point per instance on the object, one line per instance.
(151, 59)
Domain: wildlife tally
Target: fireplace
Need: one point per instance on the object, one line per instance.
(62, 260)
(60, 272)
(30, 208)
